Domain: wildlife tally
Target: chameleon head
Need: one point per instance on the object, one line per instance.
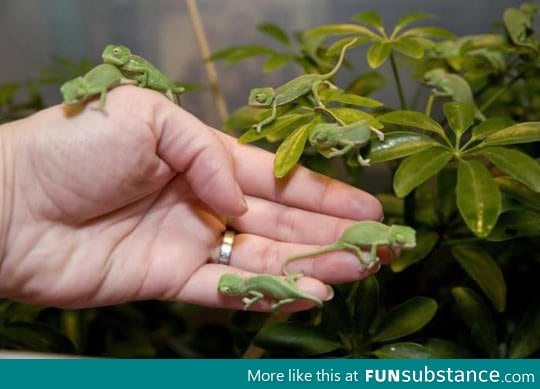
(73, 91)
(432, 76)
(402, 236)
(261, 97)
(230, 284)
(116, 55)
(324, 136)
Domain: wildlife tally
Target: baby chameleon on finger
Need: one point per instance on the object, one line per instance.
(362, 234)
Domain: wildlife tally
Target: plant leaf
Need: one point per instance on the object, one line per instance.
(525, 340)
(518, 191)
(366, 305)
(237, 53)
(410, 18)
(275, 61)
(516, 224)
(484, 271)
(378, 53)
(294, 337)
(289, 121)
(518, 133)
(429, 32)
(275, 32)
(36, 337)
(391, 204)
(478, 197)
(351, 115)
(409, 46)
(460, 116)
(336, 47)
(418, 168)
(406, 318)
(352, 99)
(425, 242)
(366, 83)
(290, 150)
(515, 163)
(371, 18)
(412, 119)
(490, 126)
(399, 144)
(431, 348)
(340, 29)
(477, 317)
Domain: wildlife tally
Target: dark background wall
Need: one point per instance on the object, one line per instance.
(33, 31)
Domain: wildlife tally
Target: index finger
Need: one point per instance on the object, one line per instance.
(303, 188)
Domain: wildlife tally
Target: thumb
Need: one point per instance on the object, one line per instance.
(192, 148)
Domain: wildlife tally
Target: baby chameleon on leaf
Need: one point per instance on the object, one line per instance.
(328, 137)
(452, 85)
(281, 290)
(365, 234)
(293, 90)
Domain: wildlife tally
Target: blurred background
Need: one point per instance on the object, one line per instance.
(33, 32)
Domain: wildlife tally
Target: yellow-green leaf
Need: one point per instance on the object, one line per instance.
(525, 339)
(412, 119)
(518, 133)
(515, 163)
(289, 121)
(378, 53)
(409, 46)
(460, 116)
(478, 197)
(518, 191)
(490, 126)
(399, 144)
(516, 224)
(351, 115)
(274, 31)
(290, 150)
(418, 168)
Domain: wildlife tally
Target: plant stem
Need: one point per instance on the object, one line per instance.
(499, 93)
(429, 105)
(204, 48)
(402, 101)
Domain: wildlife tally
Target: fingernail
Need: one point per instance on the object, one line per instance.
(329, 293)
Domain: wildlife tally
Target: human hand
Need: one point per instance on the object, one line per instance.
(103, 209)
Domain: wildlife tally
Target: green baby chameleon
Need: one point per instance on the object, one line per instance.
(365, 233)
(96, 82)
(139, 69)
(281, 290)
(292, 90)
(454, 86)
(327, 137)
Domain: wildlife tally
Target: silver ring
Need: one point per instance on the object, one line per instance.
(224, 251)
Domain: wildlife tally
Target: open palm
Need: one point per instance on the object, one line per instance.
(103, 209)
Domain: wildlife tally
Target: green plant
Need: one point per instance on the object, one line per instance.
(471, 188)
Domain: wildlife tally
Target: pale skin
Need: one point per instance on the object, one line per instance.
(104, 209)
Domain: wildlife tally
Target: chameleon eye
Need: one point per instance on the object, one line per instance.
(260, 97)
(116, 51)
